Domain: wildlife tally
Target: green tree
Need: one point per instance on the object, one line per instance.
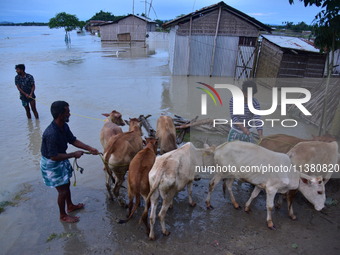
(326, 25)
(82, 25)
(105, 16)
(68, 21)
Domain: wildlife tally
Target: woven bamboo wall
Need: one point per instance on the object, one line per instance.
(269, 63)
(229, 25)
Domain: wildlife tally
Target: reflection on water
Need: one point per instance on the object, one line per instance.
(34, 140)
(75, 240)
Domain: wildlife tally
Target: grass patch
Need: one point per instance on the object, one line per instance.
(54, 236)
(4, 204)
(17, 198)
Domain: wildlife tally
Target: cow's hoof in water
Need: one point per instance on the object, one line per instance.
(293, 217)
(210, 207)
(166, 233)
(193, 204)
(271, 226)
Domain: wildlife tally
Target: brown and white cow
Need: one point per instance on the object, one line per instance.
(170, 174)
(118, 153)
(242, 157)
(283, 143)
(166, 134)
(138, 178)
(111, 126)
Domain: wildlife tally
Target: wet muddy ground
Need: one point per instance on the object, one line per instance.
(32, 226)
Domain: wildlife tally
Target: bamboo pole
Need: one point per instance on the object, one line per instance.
(189, 44)
(215, 39)
(323, 124)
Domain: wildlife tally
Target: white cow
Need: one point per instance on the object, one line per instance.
(170, 174)
(315, 158)
(245, 156)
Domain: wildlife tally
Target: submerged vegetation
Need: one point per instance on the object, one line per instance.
(18, 197)
(58, 236)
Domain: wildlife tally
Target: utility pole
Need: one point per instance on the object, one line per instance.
(133, 7)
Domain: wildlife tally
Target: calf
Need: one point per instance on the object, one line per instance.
(138, 178)
(166, 134)
(170, 174)
(111, 127)
(119, 152)
(242, 155)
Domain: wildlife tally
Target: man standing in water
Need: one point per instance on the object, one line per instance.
(54, 165)
(26, 86)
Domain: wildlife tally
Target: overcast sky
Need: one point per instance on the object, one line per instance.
(266, 11)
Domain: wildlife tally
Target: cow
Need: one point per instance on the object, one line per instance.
(166, 134)
(313, 158)
(242, 157)
(118, 153)
(283, 143)
(111, 127)
(138, 178)
(170, 174)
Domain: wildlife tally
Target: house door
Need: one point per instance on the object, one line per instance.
(245, 57)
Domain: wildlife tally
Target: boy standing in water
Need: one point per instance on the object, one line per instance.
(26, 86)
(54, 165)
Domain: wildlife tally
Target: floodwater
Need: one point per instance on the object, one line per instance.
(93, 78)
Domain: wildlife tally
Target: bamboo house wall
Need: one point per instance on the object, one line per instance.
(212, 44)
(129, 28)
(289, 65)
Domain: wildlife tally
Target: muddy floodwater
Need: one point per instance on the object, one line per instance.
(95, 78)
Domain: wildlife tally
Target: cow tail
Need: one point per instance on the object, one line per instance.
(155, 186)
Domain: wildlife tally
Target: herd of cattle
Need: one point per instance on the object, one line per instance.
(151, 176)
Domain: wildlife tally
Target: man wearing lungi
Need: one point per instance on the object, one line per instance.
(55, 166)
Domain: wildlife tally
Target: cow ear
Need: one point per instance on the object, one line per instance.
(304, 180)
(106, 114)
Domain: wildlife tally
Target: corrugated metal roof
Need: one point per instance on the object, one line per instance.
(124, 17)
(291, 43)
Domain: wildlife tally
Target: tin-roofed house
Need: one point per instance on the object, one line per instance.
(131, 28)
(286, 57)
(217, 40)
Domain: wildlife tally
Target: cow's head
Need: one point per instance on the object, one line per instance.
(115, 117)
(135, 124)
(313, 188)
(153, 143)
